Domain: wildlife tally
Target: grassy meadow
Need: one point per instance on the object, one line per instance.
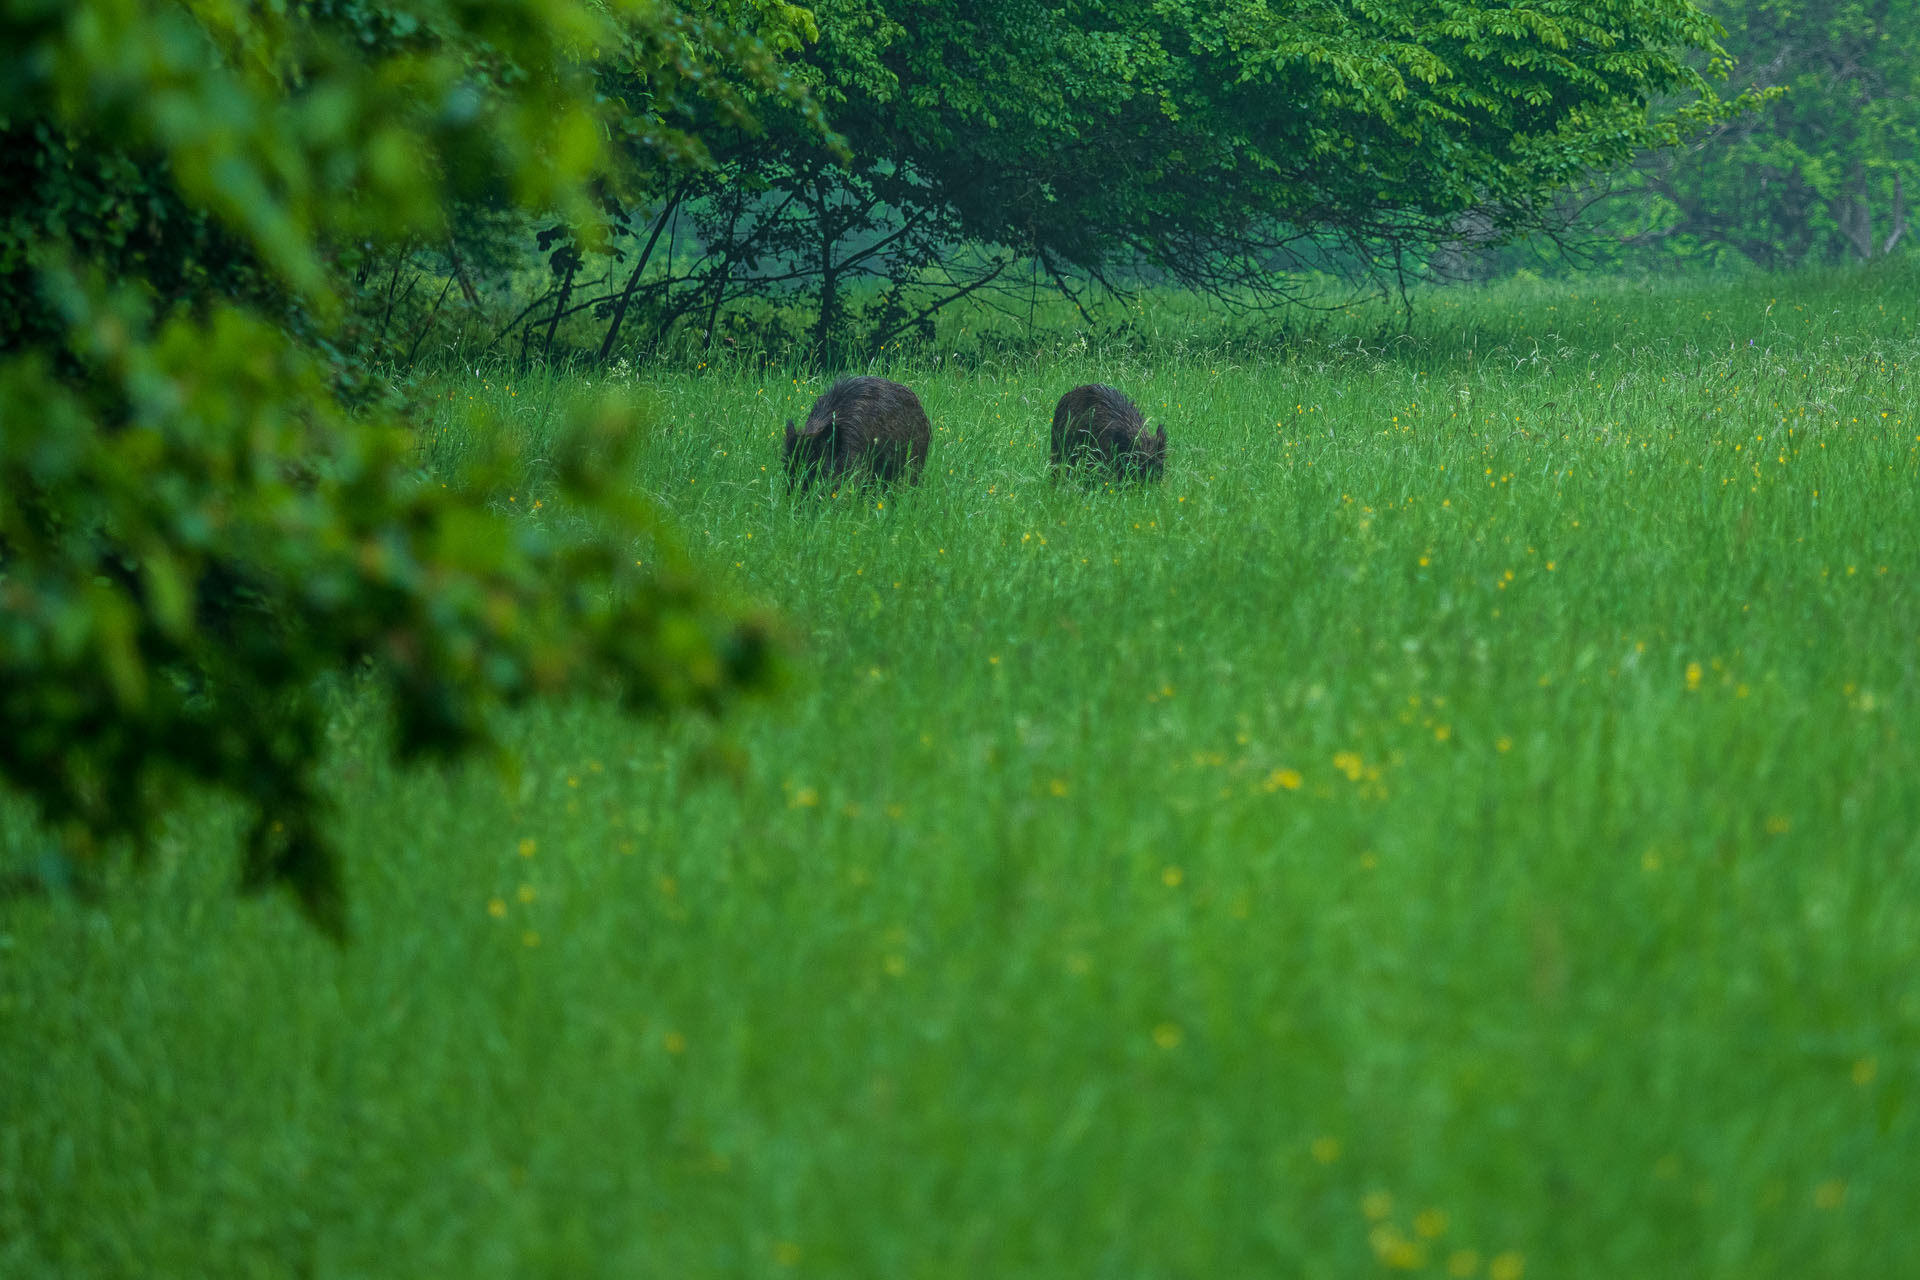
(1464, 821)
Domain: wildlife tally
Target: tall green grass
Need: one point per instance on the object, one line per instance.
(1465, 819)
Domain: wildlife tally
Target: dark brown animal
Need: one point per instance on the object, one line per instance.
(860, 425)
(1098, 425)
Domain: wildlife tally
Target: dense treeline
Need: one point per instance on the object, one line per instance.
(1225, 148)
(1111, 147)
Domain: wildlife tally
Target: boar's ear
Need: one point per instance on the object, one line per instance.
(1163, 437)
(792, 435)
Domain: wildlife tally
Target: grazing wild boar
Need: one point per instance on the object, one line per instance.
(860, 424)
(1096, 424)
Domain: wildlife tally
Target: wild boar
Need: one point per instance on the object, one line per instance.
(1097, 424)
(860, 425)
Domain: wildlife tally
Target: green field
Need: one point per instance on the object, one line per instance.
(1466, 819)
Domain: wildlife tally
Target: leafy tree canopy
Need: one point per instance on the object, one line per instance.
(1173, 133)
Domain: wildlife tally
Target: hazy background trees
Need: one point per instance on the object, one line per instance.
(1819, 172)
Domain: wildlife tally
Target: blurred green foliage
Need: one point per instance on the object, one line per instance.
(205, 506)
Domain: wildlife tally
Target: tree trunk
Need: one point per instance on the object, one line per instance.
(1855, 217)
(560, 308)
(393, 297)
(633, 281)
(713, 308)
(1899, 217)
(825, 323)
(721, 276)
(426, 328)
(829, 315)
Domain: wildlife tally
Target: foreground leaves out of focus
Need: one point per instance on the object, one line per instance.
(205, 505)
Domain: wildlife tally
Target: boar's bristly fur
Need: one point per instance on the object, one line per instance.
(1097, 424)
(859, 425)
